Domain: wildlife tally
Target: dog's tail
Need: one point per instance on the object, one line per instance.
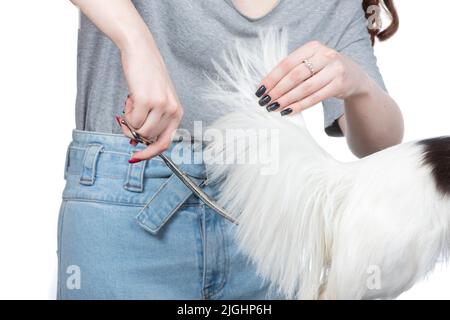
(299, 210)
(271, 174)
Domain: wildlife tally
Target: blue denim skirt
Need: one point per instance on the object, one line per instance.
(134, 231)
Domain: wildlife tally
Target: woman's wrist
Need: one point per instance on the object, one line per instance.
(363, 85)
(135, 38)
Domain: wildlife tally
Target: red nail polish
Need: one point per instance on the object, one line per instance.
(118, 121)
(133, 142)
(134, 160)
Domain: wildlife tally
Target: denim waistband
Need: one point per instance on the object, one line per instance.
(116, 148)
(97, 169)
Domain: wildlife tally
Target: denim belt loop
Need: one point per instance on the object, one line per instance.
(90, 163)
(135, 177)
(66, 162)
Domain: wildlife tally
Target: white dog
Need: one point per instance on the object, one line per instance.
(319, 228)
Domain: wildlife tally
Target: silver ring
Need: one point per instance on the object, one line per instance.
(310, 67)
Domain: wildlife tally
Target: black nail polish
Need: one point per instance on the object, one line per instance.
(274, 106)
(260, 91)
(286, 111)
(264, 100)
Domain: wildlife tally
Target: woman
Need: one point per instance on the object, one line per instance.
(131, 230)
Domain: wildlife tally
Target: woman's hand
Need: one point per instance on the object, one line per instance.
(292, 87)
(372, 120)
(152, 108)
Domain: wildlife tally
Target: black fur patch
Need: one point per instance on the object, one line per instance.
(437, 155)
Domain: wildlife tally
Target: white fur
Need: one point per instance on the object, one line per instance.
(320, 227)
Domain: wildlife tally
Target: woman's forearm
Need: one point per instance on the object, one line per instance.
(117, 19)
(372, 120)
(152, 108)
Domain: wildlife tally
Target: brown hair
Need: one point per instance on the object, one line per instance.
(374, 29)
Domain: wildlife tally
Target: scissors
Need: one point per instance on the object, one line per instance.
(181, 175)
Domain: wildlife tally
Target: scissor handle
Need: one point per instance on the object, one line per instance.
(136, 136)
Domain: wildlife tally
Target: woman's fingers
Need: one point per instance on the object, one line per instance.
(137, 109)
(286, 65)
(307, 102)
(159, 119)
(162, 144)
(153, 125)
(159, 125)
(297, 76)
(305, 89)
(155, 122)
(126, 109)
(128, 105)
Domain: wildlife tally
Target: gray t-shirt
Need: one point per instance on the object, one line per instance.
(189, 33)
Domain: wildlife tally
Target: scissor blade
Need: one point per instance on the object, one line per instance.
(196, 189)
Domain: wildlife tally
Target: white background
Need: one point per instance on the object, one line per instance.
(37, 81)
